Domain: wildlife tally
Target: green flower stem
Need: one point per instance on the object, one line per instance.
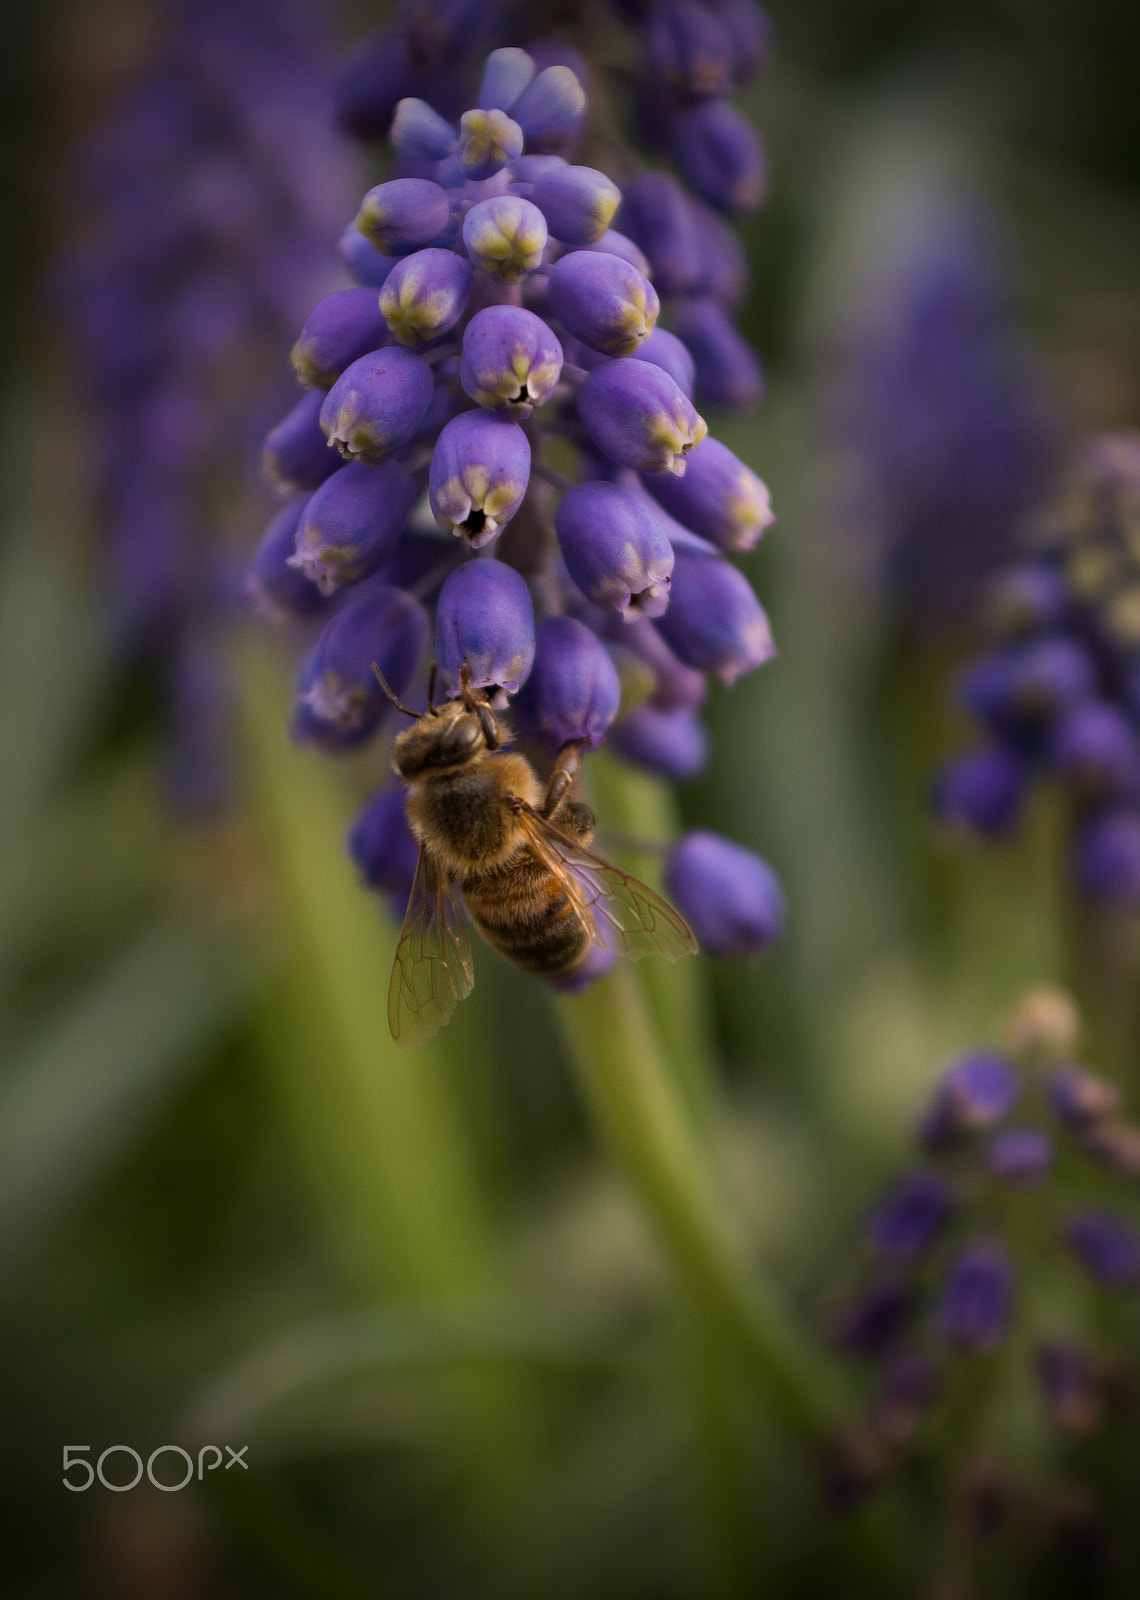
(376, 1128)
(636, 804)
(639, 1110)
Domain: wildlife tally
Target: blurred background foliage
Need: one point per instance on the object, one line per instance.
(416, 1286)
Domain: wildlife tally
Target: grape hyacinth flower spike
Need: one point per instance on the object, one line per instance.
(501, 323)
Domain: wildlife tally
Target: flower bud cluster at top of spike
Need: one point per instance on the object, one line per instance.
(203, 201)
(1017, 1141)
(1057, 691)
(495, 314)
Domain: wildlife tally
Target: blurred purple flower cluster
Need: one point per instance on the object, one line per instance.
(495, 430)
(204, 201)
(1022, 1147)
(1058, 689)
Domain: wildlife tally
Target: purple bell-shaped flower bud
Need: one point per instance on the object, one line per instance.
(425, 295)
(511, 360)
(719, 498)
(672, 743)
(977, 1301)
(1107, 1248)
(1094, 747)
(603, 301)
(981, 792)
(377, 404)
(362, 260)
(578, 203)
(675, 684)
(505, 237)
(377, 624)
(484, 620)
(479, 473)
(913, 1217)
(976, 1092)
(352, 523)
(489, 140)
(340, 329)
(614, 549)
(715, 622)
(403, 215)
(663, 349)
(296, 454)
(637, 416)
(750, 32)
(384, 848)
(731, 898)
(728, 369)
(1020, 1155)
(720, 155)
(659, 217)
(551, 101)
(505, 75)
(689, 50)
(273, 586)
(573, 691)
(1108, 856)
(1026, 599)
(419, 131)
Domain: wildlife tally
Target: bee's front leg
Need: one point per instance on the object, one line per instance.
(565, 768)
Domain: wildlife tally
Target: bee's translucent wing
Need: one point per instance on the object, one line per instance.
(621, 912)
(432, 971)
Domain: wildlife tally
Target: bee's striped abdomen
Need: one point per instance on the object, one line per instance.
(524, 911)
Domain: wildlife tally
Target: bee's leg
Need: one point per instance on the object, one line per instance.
(562, 777)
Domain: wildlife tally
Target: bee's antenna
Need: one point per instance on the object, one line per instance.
(431, 691)
(387, 688)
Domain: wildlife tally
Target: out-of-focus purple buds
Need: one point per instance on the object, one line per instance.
(425, 295)
(383, 846)
(403, 215)
(1107, 1248)
(550, 101)
(363, 261)
(578, 203)
(720, 154)
(296, 454)
(1073, 1387)
(484, 620)
(511, 360)
(614, 549)
(637, 416)
(751, 34)
(728, 369)
(724, 261)
(658, 216)
(419, 130)
(488, 142)
(1049, 675)
(573, 691)
(603, 301)
(715, 622)
(690, 50)
(1108, 856)
(719, 497)
(352, 523)
(377, 624)
(731, 899)
(977, 1301)
(616, 244)
(665, 350)
(596, 965)
(505, 236)
(340, 329)
(1094, 746)
(675, 684)
(981, 791)
(976, 1092)
(1020, 1155)
(872, 1322)
(479, 473)
(528, 169)
(377, 404)
(672, 743)
(505, 76)
(1115, 1145)
(1080, 1097)
(272, 585)
(911, 1219)
(1026, 598)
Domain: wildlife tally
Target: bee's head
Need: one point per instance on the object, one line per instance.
(451, 736)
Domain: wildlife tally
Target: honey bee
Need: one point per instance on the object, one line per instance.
(517, 851)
